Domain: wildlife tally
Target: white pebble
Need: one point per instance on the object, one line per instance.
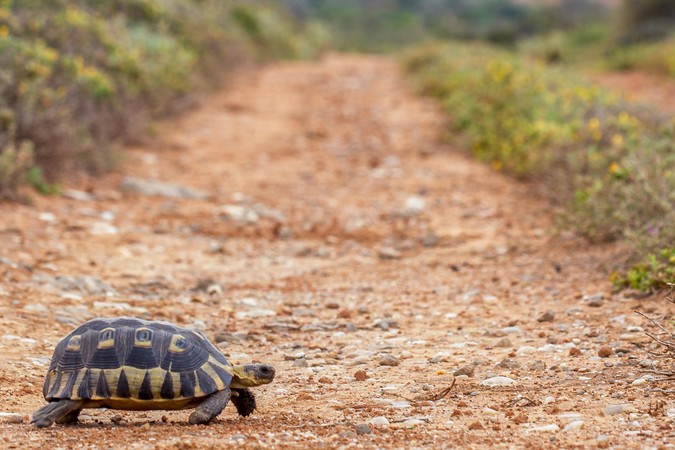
(498, 381)
(573, 426)
(551, 427)
(525, 350)
(379, 421)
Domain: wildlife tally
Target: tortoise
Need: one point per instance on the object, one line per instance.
(133, 364)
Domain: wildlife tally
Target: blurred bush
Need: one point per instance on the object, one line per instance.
(642, 20)
(78, 77)
(610, 163)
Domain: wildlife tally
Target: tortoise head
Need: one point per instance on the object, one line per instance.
(250, 375)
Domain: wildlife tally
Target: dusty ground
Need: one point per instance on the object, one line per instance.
(338, 237)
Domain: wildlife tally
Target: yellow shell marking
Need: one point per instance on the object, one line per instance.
(143, 338)
(178, 344)
(106, 338)
(74, 343)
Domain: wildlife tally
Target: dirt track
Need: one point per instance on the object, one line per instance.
(338, 234)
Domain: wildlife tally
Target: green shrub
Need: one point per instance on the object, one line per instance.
(657, 271)
(611, 163)
(79, 77)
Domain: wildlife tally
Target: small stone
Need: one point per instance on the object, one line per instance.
(430, 240)
(379, 421)
(410, 423)
(525, 350)
(504, 343)
(161, 189)
(300, 362)
(605, 352)
(387, 359)
(362, 429)
(466, 370)
(548, 316)
(361, 375)
(325, 380)
(414, 205)
(7, 417)
(508, 363)
(512, 330)
(594, 301)
(388, 253)
(475, 426)
(619, 409)
(574, 351)
(552, 427)
(498, 381)
(639, 381)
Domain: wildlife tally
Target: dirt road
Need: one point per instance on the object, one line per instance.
(316, 222)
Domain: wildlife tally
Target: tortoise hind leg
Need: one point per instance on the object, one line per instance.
(244, 401)
(57, 411)
(70, 418)
(210, 408)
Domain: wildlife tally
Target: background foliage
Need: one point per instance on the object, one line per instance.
(78, 77)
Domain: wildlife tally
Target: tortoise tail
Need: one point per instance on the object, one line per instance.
(54, 411)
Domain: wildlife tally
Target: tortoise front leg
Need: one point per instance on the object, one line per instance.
(56, 411)
(244, 401)
(210, 408)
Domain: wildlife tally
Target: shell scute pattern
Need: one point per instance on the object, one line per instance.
(129, 358)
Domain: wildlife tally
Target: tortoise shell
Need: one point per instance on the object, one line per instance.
(135, 364)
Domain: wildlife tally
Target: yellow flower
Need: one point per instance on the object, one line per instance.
(617, 140)
(594, 123)
(4, 31)
(613, 168)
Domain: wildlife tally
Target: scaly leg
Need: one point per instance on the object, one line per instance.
(210, 408)
(57, 411)
(244, 401)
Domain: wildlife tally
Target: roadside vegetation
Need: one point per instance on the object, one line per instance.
(609, 162)
(78, 78)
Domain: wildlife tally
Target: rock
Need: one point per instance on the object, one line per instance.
(361, 375)
(594, 301)
(550, 428)
(325, 380)
(605, 352)
(498, 381)
(388, 253)
(574, 351)
(362, 429)
(504, 343)
(414, 205)
(160, 189)
(639, 381)
(619, 409)
(466, 370)
(301, 362)
(430, 240)
(508, 363)
(80, 196)
(238, 213)
(410, 423)
(512, 330)
(525, 350)
(440, 357)
(475, 426)
(548, 316)
(387, 359)
(7, 417)
(379, 421)
(103, 229)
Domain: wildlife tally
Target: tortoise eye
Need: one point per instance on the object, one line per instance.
(181, 343)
